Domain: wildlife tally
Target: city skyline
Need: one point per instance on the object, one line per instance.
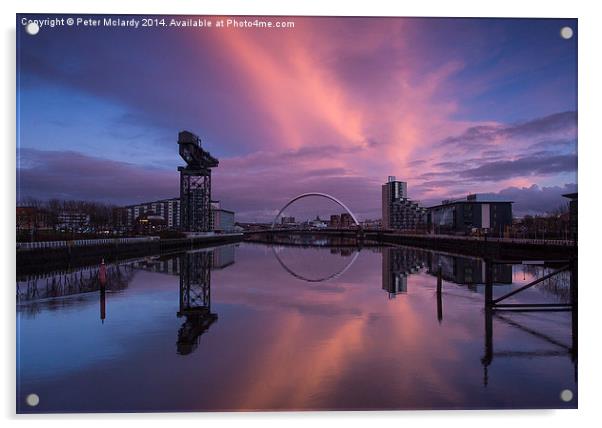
(334, 105)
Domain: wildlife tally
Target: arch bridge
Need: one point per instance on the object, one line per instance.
(318, 194)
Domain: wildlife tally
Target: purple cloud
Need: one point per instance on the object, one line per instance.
(71, 175)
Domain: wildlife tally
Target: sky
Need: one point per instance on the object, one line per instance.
(334, 105)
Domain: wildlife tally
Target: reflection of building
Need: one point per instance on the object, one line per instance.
(397, 264)
(72, 220)
(223, 257)
(170, 266)
(467, 270)
(399, 212)
(473, 215)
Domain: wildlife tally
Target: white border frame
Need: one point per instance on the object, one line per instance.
(590, 75)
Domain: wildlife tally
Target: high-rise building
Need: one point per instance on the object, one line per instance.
(398, 211)
(335, 221)
(346, 221)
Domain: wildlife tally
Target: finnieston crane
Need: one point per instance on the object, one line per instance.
(195, 184)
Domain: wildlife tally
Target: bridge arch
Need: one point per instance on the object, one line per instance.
(322, 195)
(322, 279)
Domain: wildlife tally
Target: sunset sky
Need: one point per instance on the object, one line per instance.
(335, 105)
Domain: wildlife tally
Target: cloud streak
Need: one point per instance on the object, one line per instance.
(333, 105)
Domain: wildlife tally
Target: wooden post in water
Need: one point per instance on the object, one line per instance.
(488, 357)
(486, 360)
(574, 312)
(102, 279)
(488, 283)
(439, 297)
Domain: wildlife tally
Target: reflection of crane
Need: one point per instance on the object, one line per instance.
(323, 279)
(195, 299)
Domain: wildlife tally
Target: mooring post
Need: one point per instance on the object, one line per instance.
(488, 283)
(102, 279)
(439, 297)
(488, 356)
(574, 312)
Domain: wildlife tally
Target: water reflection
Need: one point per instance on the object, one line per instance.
(552, 347)
(397, 264)
(83, 280)
(52, 290)
(285, 341)
(195, 299)
(350, 254)
(466, 270)
(194, 270)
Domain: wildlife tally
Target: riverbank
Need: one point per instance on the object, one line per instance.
(495, 248)
(42, 256)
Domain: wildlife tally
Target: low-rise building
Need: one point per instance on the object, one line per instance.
(287, 221)
(318, 223)
(150, 223)
(474, 215)
(73, 220)
(124, 218)
(32, 218)
(221, 220)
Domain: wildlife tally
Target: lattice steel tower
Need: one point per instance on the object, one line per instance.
(195, 299)
(195, 184)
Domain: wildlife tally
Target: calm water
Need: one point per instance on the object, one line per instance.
(253, 327)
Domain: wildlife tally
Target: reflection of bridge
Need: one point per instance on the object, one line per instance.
(333, 275)
(309, 239)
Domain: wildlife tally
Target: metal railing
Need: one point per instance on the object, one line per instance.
(559, 242)
(83, 242)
